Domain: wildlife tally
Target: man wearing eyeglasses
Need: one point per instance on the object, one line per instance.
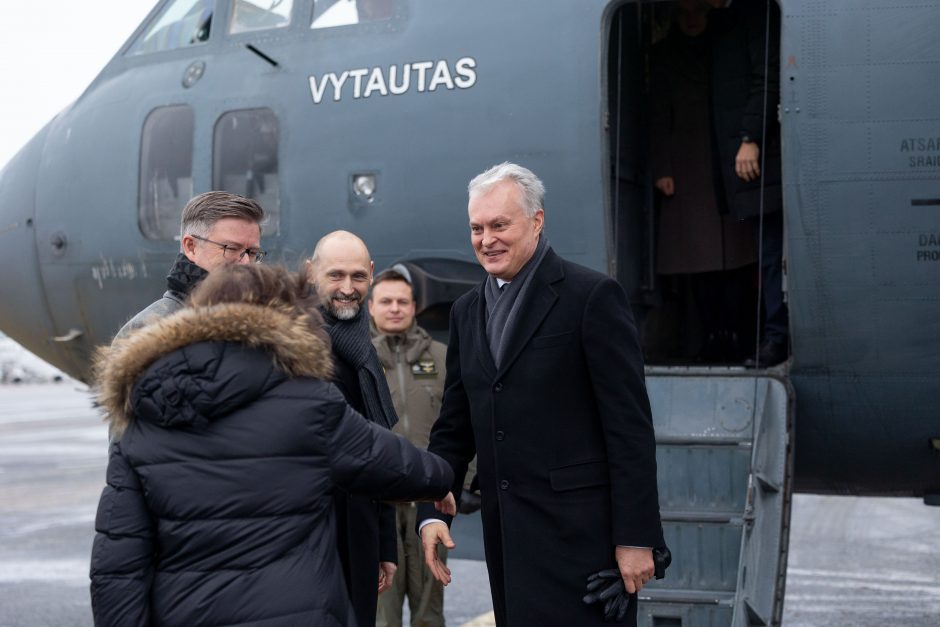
(216, 229)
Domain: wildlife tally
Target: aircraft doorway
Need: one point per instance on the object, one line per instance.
(694, 146)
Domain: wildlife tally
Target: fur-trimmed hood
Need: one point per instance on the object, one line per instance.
(166, 372)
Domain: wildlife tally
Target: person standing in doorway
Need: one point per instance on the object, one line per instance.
(697, 242)
(744, 40)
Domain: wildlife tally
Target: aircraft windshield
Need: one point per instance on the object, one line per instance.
(182, 23)
(251, 15)
(330, 13)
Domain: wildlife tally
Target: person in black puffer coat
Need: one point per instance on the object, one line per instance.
(228, 443)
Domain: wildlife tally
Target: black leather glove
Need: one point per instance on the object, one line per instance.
(607, 586)
(617, 607)
(469, 502)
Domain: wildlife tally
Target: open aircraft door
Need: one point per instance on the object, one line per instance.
(725, 469)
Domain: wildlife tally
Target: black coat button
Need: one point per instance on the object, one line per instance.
(503, 485)
(498, 387)
(500, 436)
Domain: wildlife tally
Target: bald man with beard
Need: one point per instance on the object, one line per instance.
(341, 272)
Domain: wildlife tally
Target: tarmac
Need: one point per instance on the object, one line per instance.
(854, 561)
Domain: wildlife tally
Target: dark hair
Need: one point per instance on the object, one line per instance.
(391, 275)
(202, 212)
(266, 285)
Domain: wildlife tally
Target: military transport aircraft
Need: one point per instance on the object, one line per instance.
(372, 115)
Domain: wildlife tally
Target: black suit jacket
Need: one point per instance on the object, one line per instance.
(365, 528)
(563, 436)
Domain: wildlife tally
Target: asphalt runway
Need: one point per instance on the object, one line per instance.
(856, 562)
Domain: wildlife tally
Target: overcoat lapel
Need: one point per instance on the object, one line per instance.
(539, 300)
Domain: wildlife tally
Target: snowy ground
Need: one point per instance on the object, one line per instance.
(18, 365)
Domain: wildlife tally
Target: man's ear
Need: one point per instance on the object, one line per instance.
(188, 247)
(371, 271)
(539, 218)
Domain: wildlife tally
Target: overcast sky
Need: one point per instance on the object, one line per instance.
(49, 52)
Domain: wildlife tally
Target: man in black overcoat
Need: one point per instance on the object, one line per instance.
(545, 385)
(341, 271)
(745, 91)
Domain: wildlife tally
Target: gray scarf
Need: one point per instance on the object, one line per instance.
(352, 343)
(502, 305)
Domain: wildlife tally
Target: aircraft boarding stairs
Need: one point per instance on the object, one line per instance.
(724, 488)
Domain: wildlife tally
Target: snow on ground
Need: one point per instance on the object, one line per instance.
(18, 365)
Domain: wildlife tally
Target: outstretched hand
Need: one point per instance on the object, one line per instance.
(433, 534)
(448, 505)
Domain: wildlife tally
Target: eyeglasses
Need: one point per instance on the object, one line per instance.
(234, 253)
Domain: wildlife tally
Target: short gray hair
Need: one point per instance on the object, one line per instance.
(202, 212)
(533, 190)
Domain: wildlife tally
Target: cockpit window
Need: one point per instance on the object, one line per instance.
(182, 23)
(166, 171)
(245, 159)
(250, 15)
(330, 13)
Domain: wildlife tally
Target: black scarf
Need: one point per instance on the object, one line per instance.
(353, 344)
(502, 305)
(184, 276)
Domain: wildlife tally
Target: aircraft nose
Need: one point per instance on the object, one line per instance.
(23, 312)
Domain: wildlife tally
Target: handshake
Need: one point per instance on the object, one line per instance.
(607, 586)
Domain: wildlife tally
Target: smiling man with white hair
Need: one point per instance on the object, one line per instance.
(545, 385)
